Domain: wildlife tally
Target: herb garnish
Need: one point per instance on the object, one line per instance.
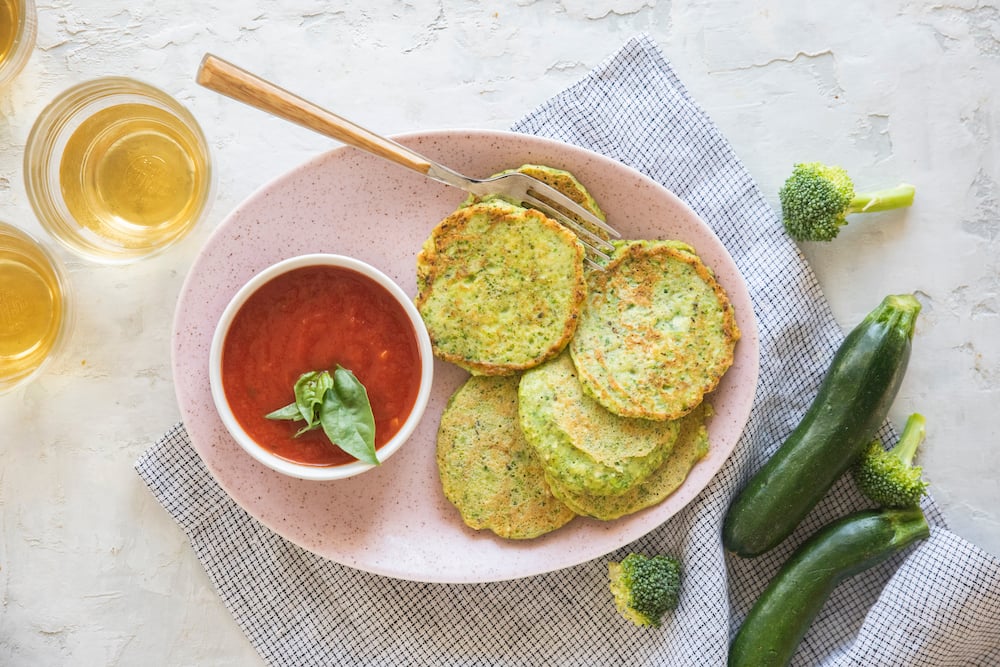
(338, 404)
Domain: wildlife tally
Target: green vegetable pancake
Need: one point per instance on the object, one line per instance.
(500, 287)
(487, 469)
(691, 447)
(581, 445)
(657, 332)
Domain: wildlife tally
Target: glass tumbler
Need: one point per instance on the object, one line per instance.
(35, 313)
(18, 29)
(117, 170)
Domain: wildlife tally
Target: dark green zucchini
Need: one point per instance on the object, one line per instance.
(778, 620)
(852, 403)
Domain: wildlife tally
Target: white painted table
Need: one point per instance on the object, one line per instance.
(94, 572)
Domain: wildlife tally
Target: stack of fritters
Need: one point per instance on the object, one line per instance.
(488, 470)
(599, 410)
(690, 447)
(583, 447)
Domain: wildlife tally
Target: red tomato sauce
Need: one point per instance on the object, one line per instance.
(312, 319)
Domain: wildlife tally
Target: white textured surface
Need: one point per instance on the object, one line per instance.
(92, 570)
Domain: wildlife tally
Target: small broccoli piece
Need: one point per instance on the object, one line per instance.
(887, 477)
(645, 588)
(816, 198)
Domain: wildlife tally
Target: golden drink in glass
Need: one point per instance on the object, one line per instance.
(34, 308)
(10, 15)
(18, 29)
(117, 170)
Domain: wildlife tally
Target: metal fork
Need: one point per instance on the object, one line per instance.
(229, 80)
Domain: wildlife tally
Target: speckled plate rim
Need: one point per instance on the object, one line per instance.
(394, 520)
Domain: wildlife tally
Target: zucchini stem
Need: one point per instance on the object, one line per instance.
(898, 311)
(909, 525)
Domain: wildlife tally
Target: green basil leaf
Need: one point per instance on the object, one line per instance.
(310, 389)
(346, 416)
(290, 412)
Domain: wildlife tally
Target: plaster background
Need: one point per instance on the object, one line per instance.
(93, 571)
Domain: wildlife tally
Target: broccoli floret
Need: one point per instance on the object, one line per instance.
(816, 198)
(887, 477)
(645, 588)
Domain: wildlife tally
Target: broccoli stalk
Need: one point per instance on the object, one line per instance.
(816, 198)
(900, 196)
(645, 588)
(888, 477)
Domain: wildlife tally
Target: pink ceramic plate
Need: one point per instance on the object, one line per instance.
(394, 520)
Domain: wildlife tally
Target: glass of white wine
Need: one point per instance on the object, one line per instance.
(35, 313)
(117, 170)
(18, 30)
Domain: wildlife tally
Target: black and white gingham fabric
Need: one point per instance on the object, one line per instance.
(937, 604)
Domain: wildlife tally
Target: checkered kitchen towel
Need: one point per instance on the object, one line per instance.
(936, 604)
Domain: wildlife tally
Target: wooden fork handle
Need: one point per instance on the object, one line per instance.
(229, 80)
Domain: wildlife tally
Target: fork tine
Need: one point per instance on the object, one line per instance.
(552, 196)
(588, 237)
(595, 246)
